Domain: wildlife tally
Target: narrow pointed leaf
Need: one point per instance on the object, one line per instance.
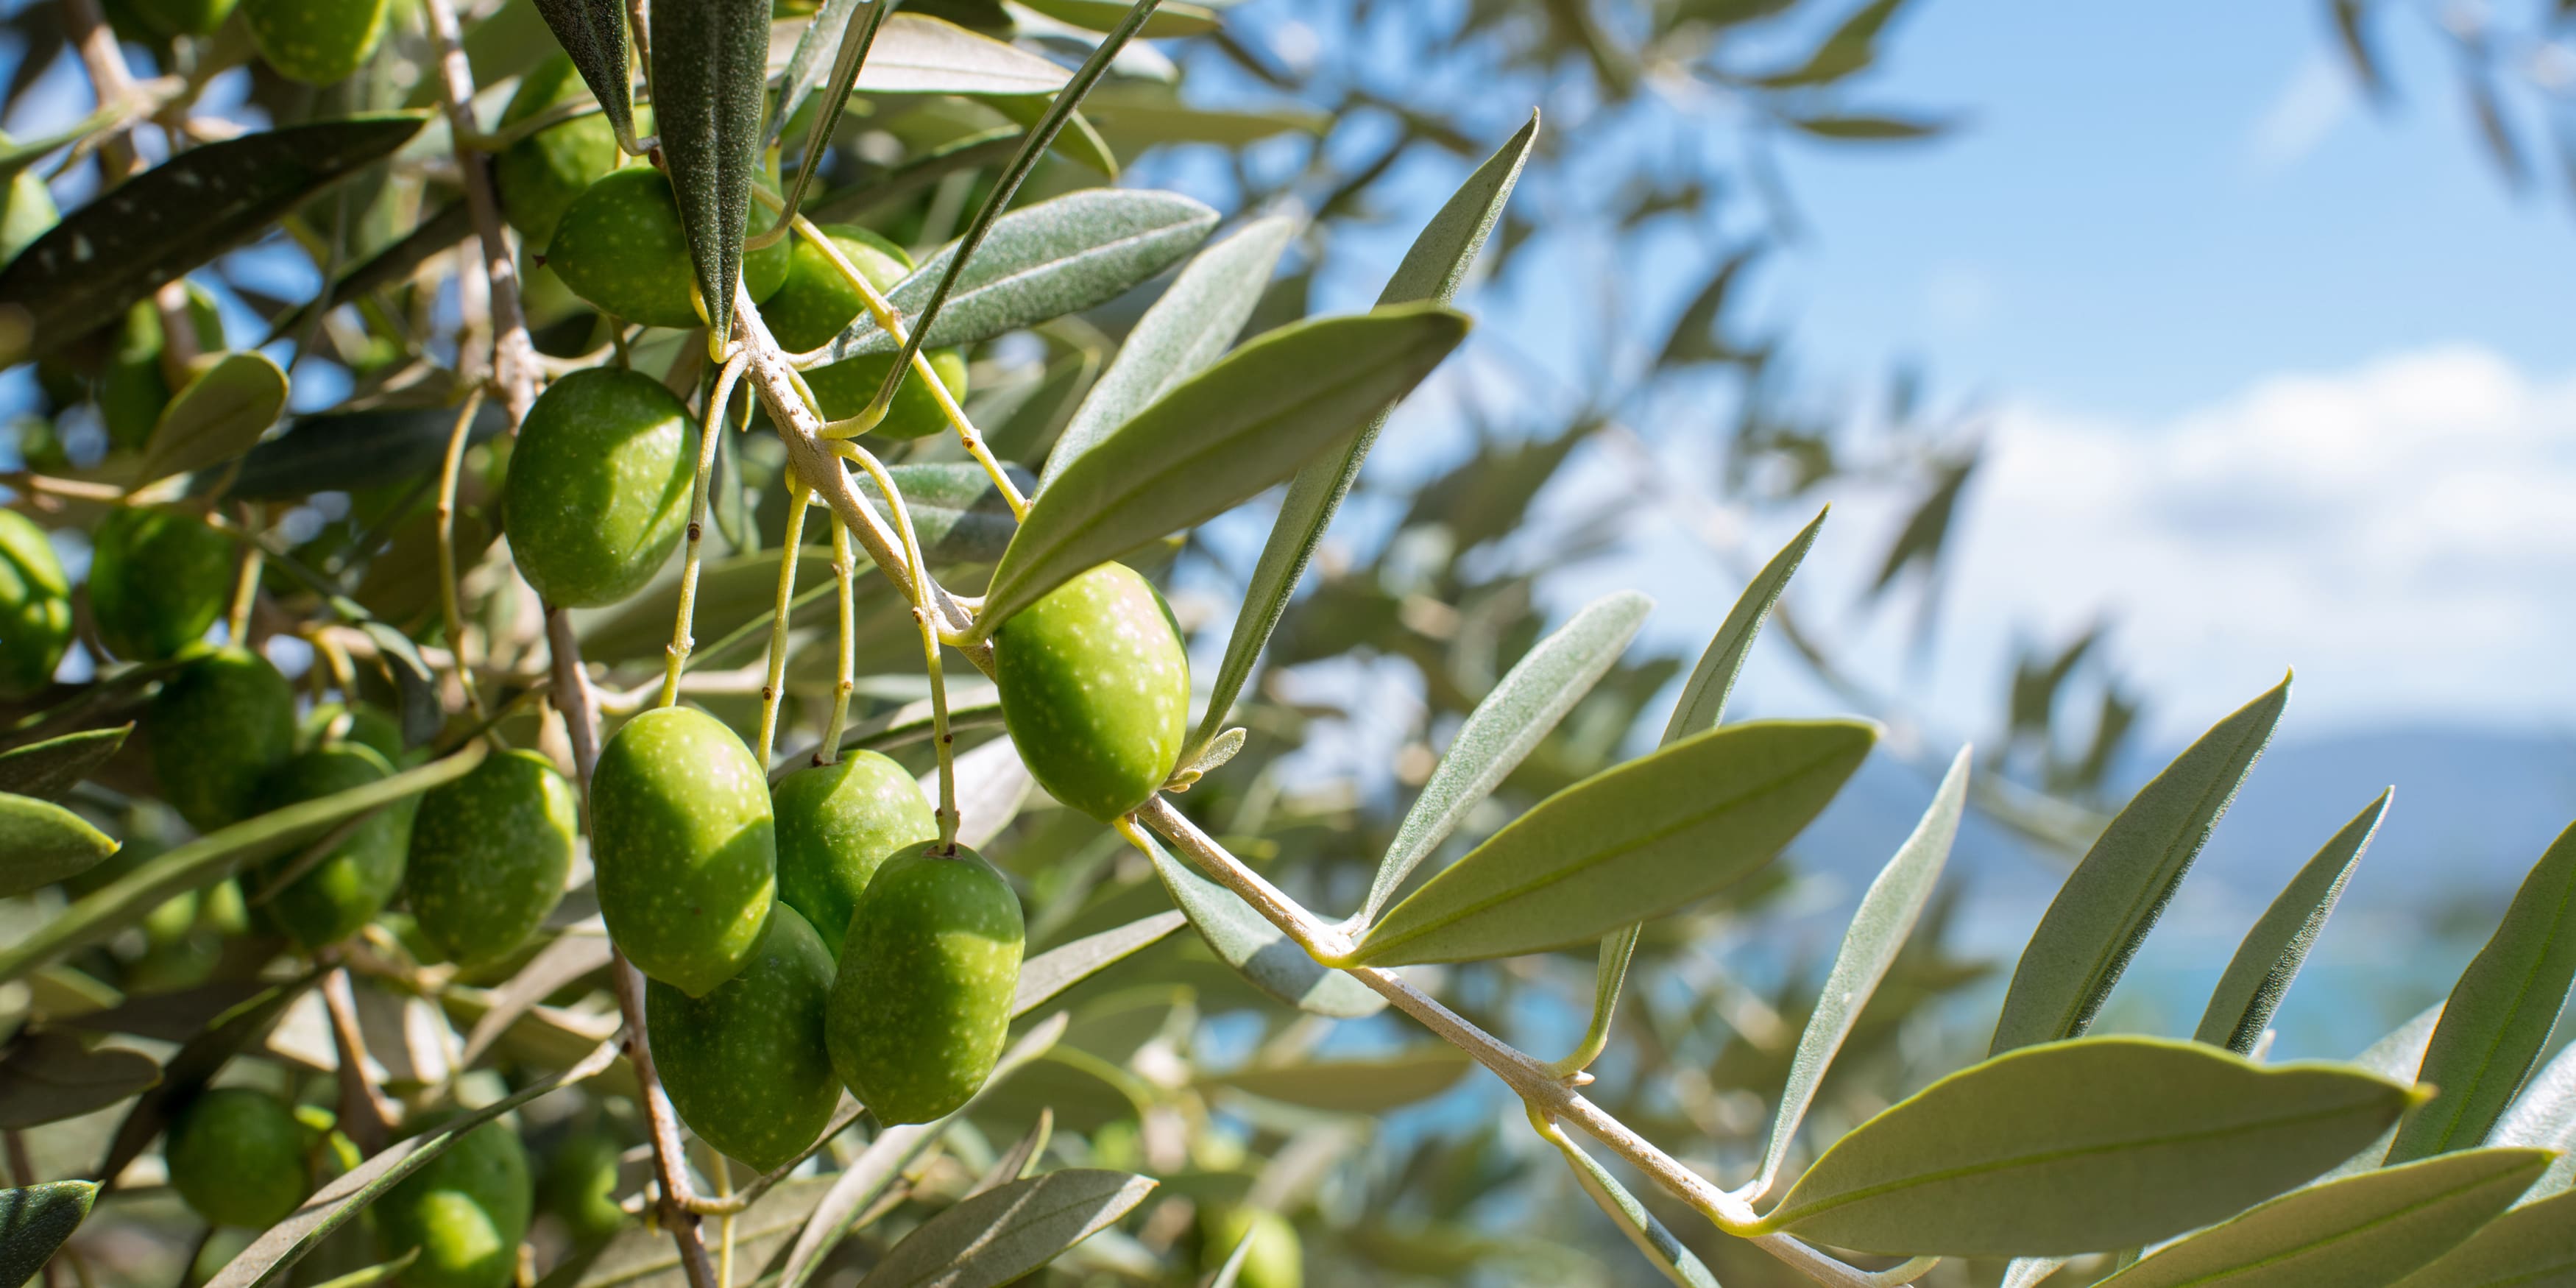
(2082, 1146)
(2025, 1272)
(220, 415)
(49, 770)
(996, 1237)
(1504, 728)
(1227, 1274)
(1430, 272)
(642, 1256)
(2115, 895)
(710, 74)
(582, 950)
(2500, 1012)
(2269, 958)
(158, 225)
(1878, 931)
(1257, 950)
(1057, 969)
(816, 59)
(1676, 1261)
(1192, 325)
(593, 32)
(47, 1077)
(42, 843)
(2528, 1247)
(96, 917)
(1170, 20)
(1627, 844)
(2397, 1055)
(920, 54)
(194, 1064)
(1216, 441)
(1703, 700)
(1362, 1086)
(2359, 1232)
(35, 1221)
(1045, 261)
(957, 513)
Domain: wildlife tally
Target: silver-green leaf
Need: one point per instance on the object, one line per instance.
(1004, 1233)
(42, 843)
(1257, 950)
(1703, 700)
(710, 79)
(1366, 1085)
(1059, 968)
(1668, 1254)
(2269, 958)
(2531, 1246)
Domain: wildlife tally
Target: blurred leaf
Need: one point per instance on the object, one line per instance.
(35, 1221)
(594, 33)
(2366, 1229)
(1259, 951)
(1869, 129)
(356, 451)
(2269, 958)
(1703, 700)
(394, 264)
(1364, 1086)
(920, 54)
(578, 952)
(2534, 1244)
(1694, 337)
(42, 843)
(49, 770)
(1503, 729)
(2500, 1012)
(991, 784)
(2082, 1145)
(1078, 140)
(1668, 1254)
(640, 1256)
(1057, 969)
(2114, 896)
(2488, 111)
(1217, 440)
(1927, 532)
(710, 73)
(161, 223)
(196, 1062)
(1045, 261)
(1627, 844)
(46, 1077)
(1879, 929)
(808, 69)
(1139, 116)
(957, 513)
(2351, 30)
(996, 1237)
(1852, 47)
(232, 400)
(1169, 20)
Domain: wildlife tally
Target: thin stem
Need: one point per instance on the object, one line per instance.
(830, 750)
(799, 498)
(723, 1173)
(514, 356)
(846, 61)
(571, 695)
(450, 606)
(670, 1166)
(941, 738)
(245, 586)
(677, 655)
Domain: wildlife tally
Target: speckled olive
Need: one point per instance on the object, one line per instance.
(466, 1212)
(816, 300)
(331, 898)
(1095, 688)
(318, 42)
(843, 389)
(686, 856)
(540, 175)
(237, 1156)
(35, 607)
(157, 579)
(620, 246)
(745, 1064)
(598, 493)
(222, 723)
(1277, 1260)
(489, 854)
(923, 996)
(836, 824)
(364, 725)
(579, 1184)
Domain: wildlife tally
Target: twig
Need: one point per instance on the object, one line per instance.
(670, 1166)
(571, 694)
(773, 685)
(449, 603)
(676, 655)
(245, 583)
(85, 22)
(847, 680)
(364, 1113)
(514, 356)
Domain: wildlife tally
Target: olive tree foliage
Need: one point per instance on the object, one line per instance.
(611, 717)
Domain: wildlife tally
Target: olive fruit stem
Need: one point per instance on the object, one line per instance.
(835, 97)
(676, 656)
(939, 734)
(1537, 1085)
(514, 356)
(670, 1167)
(571, 695)
(245, 584)
(830, 750)
(364, 1113)
(450, 608)
(772, 690)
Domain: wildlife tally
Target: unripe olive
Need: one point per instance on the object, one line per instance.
(319, 42)
(621, 246)
(745, 1064)
(221, 724)
(35, 607)
(182, 17)
(579, 1184)
(843, 389)
(1095, 688)
(598, 493)
(157, 579)
(541, 174)
(333, 897)
(364, 725)
(489, 854)
(466, 1211)
(836, 824)
(1277, 1260)
(816, 300)
(237, 1156)
(923, 996)
(681, 837)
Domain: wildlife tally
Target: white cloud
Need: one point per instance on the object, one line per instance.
(2316, 98)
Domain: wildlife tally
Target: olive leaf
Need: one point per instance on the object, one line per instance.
(2532, 1244)
(49, 1076)
(1626, 845)
(1879, 928)
(394, 264)
(640, 1256)
(1169, 20)
(1257, 950)
(156, 226)
(36, 1220)
(2366, 1229)
(1668, 1253)
(2113, 897)
(1044, 261)
(2397, 1054)
(2080, 1146)
(1504, 728)
(96, 917)
(1059, 968)
(2242, 1005)
(2500, 1012)
(352, 451)
(1703, 700)
(1191, 326)
(957, 513)
(1430, 271)
(1217, 440)
(917, 53)
(42, 843)
(196, 1062)
(1228, 1273)
(1004, 1233)
(710, 76)
(226, 406)
(593, 32)
(49, 770)
(806, 72)
(578, 952)
(1079, 141)
(1361, 1086)
(2544, 1117)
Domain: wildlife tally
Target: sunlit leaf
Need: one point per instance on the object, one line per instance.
(2530, 1246)
(1703, 700)
(2269, 958)
(49, 770)
(998, 1236)
(1668, 1254)
(42, 843)
(231, 401)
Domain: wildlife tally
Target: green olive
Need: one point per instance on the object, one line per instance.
(220, 725)
(816, 300)
(1277, 1260)
(681, 837)
(1095, 688)
(598, 493)
(620, 245)
(182, 17)
(843, 389)
(540, 175)
(158, 578)
(579, 1184)
(923, 996)
(35, 607)
(364, 725)
(745, 1064)
(237, 1156)
(836, 823)
(318, 42)
(466, 1211)
(326, 901)
(489, 854)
